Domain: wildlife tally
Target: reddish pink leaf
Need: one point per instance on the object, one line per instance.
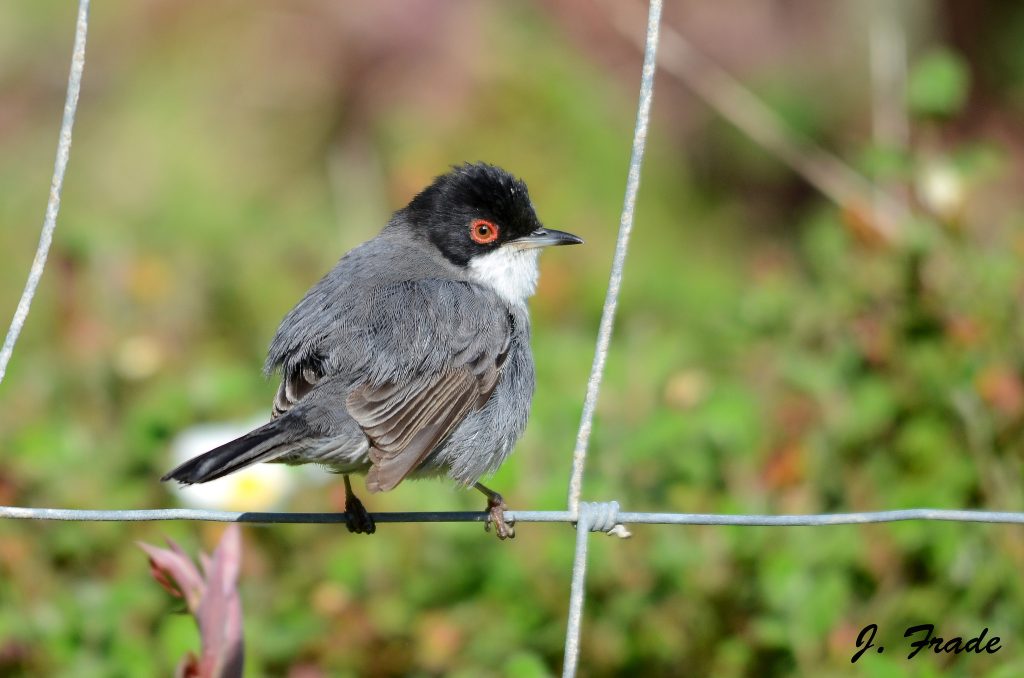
(176, 573)
(220, 611)
(212, 598)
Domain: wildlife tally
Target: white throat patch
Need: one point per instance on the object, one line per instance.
(510, 272)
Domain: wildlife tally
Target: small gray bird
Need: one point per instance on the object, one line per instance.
(411, 357)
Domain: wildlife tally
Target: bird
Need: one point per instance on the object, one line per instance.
(411, 357)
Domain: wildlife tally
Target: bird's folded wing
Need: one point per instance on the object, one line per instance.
(404, 422)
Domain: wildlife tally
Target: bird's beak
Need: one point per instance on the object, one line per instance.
(546, 237)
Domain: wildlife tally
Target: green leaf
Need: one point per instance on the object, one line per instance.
(938, 84)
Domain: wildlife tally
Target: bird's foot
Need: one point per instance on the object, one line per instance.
(496, 514)
(357, 519)
(505, 529)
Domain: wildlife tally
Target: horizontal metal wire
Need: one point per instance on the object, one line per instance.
(741, 519)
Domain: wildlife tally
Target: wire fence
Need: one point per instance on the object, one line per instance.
(587, 516)
(60, 165)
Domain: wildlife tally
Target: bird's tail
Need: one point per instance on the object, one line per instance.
(263, 444)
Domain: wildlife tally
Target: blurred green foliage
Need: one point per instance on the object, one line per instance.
(938, 84)
(768, 356)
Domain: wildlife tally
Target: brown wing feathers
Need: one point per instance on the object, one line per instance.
(404, 424)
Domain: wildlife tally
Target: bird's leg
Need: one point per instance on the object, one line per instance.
(496, 507)
(358, 518)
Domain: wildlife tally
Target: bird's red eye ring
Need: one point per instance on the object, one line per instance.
(483, 232)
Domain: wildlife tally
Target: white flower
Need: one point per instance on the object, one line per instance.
(940, 187)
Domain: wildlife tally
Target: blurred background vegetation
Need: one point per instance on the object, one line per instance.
(778, 349)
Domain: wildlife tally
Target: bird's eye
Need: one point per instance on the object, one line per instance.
(483, 232)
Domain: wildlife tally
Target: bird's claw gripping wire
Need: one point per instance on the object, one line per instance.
(505, 529)
(358, 519)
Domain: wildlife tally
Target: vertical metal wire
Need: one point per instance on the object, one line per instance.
(53, 203)
(604, 335)
(577, 593)
(583, 513)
